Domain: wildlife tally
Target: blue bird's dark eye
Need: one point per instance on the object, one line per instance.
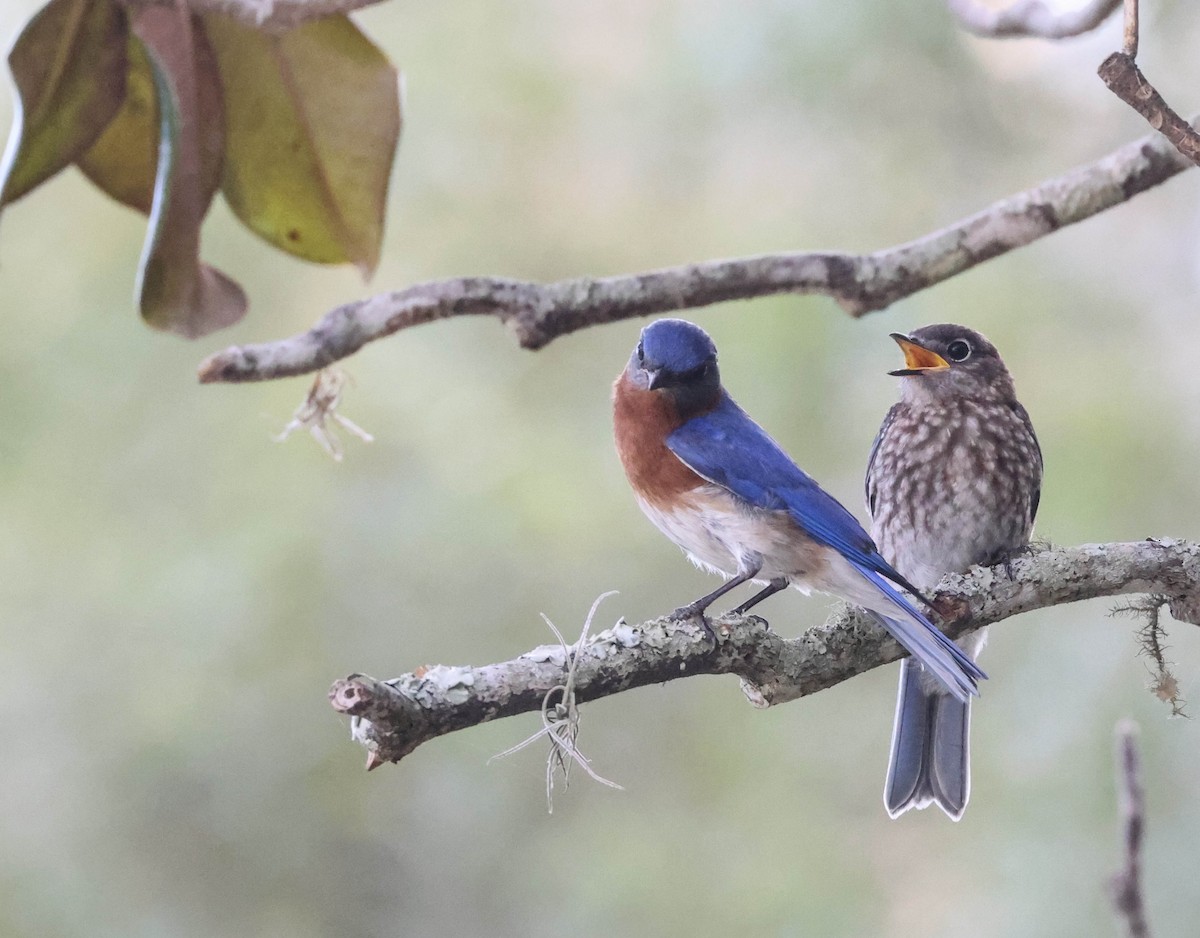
(958, 351)
(641, 353)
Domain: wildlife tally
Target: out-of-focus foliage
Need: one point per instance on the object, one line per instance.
(179, 591)
(142, 101)
(69, 69)
(176, 290)
(292, 104)
(123, 159)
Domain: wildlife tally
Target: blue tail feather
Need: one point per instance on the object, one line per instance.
(928, 644)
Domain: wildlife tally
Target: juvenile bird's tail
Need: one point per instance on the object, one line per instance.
(930, 761)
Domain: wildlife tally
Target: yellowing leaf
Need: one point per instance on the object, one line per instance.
(69, 69)
(122, 162)
(175, 290)
(312, 120)
(123, 159)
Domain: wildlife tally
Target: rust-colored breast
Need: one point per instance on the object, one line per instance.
(642, 421)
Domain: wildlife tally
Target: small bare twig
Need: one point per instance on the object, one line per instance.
(560, 721)
(1152, 641)
(1126, 884)
(538, 313)
(1124, 79)
(1131, 28)
(319, 408)
(1031, 18)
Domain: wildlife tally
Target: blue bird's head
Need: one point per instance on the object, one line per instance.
(677, 358)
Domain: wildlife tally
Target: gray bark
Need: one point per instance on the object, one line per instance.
(537, 313)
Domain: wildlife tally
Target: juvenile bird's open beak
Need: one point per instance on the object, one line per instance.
(917, 359)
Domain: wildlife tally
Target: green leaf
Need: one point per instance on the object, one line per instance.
(312, 119)
(68, 66)
(175, 290)
(122, 161)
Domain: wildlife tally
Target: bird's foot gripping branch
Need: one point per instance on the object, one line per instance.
(392, 718)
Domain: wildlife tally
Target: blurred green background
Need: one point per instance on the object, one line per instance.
(179, 591)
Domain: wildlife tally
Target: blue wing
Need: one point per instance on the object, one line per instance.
(726, 447)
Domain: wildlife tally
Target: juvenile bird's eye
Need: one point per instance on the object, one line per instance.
(958, 351)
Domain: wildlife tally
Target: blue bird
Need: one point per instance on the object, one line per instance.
(717, 485)
(954, 479)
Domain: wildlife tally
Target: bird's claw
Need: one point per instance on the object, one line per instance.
(1022, 551)
(691, 613)
(686, 613)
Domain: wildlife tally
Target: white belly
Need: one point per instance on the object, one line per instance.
(720, 535)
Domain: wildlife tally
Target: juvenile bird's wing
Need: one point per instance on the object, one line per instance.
(869, 481)
(729, 449)
(1036, 495)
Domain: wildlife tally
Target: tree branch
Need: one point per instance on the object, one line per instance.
(270, 15)
(1031, 18)
(538, 313)
(1120, 74)
(392, 718)
(1131, 807)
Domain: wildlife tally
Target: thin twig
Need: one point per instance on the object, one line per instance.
(537, 313)
(392, 718)
(1131, 28)
(1126, 883)
(1120, 74)
(1031, 18)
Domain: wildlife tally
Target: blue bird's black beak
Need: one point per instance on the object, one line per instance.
(657, 378)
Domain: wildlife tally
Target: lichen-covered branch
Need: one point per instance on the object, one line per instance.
(271, 15)
(1131, 809)
(1031, 18)
(392, 718)
(537, 313)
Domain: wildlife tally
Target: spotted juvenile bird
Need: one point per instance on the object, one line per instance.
(953, 480)
(712, 480)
